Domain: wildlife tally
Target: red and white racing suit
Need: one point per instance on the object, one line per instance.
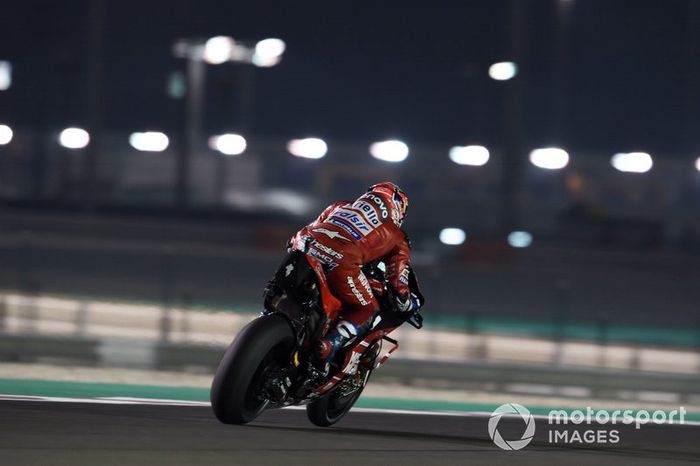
(349, 234)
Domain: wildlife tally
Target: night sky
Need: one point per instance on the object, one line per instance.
(361, 71)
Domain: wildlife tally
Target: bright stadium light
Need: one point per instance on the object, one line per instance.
(549, 158)
(218, 50)
(503, 71)
(5, 75)
(389, 151)
(5, 135)
(310, 148)
(74, 138)
(452, 236)
(632, 162)
(268, 52)
(519, 239)
(228, 144)
(697, 164)
(150, 141)
(469, 155)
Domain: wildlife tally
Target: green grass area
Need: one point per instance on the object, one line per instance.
(55, 388)
(52, 388)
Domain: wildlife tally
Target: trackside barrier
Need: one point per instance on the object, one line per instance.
(498, 377)
(49, 328)
(33, 313)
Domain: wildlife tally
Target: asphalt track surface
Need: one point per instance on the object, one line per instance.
(48, 433)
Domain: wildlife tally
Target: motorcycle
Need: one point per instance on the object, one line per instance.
(269, 364)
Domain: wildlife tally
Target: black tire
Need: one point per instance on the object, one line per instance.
(331, 408)
(267, 339)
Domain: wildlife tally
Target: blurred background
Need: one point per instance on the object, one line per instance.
(155, 156)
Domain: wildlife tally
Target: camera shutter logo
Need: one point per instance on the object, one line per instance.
(511, 408)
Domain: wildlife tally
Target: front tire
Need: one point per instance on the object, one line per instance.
(235, 396)
(332, 407)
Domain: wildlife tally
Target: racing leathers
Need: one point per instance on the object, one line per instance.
(347, 235)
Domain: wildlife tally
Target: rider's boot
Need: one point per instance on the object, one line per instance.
(335, 339)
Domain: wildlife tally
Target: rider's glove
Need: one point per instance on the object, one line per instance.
(410, 303)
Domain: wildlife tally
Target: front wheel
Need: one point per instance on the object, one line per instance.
(235, 391)
(331, 408)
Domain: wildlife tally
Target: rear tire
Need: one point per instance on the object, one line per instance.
(234, 391)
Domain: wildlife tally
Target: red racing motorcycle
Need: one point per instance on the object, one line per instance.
(269, 363)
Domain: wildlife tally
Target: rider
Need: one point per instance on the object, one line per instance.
(347, 235)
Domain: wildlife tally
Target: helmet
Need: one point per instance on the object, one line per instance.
(399, 200)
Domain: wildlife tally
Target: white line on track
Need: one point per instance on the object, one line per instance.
(108, 400)
(162, 402)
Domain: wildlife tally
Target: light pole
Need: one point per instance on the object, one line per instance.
(93, 93)
(511, 177)
(198, 53)
(559, 95)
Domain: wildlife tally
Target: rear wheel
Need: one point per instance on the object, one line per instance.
(264, 343)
